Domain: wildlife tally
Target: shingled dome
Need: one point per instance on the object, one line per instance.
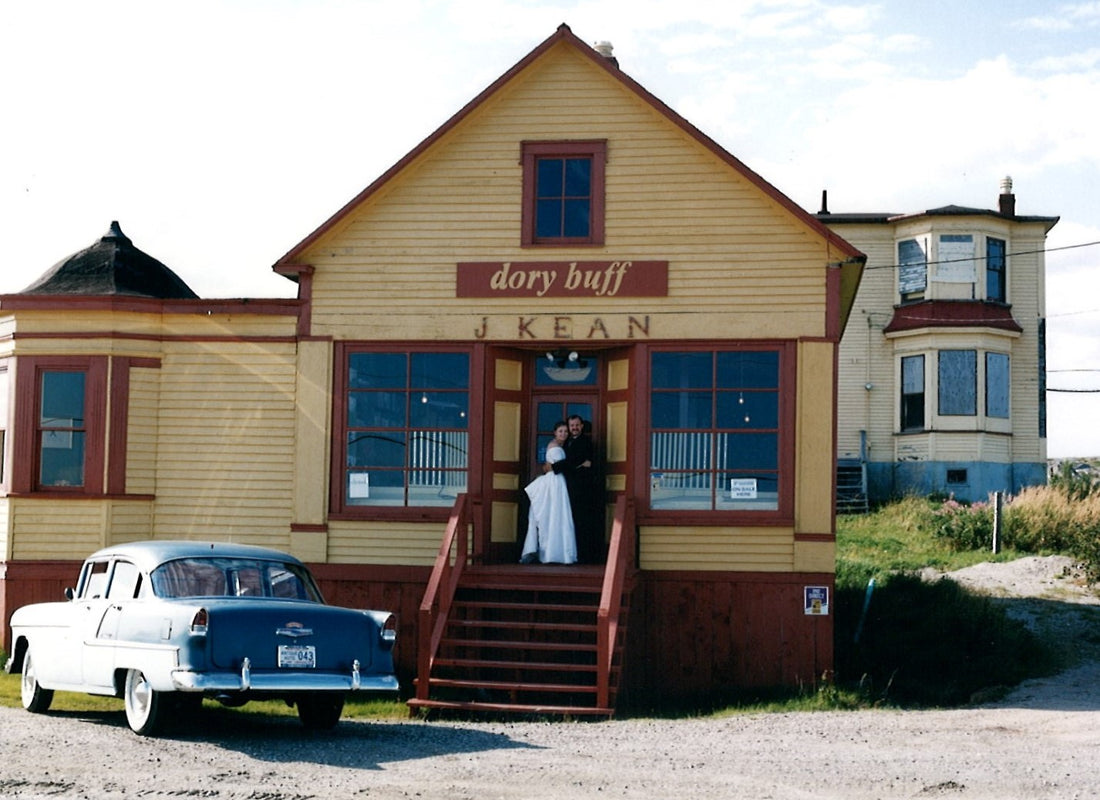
(112, 266)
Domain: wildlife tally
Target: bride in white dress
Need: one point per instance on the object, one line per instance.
(550, 535)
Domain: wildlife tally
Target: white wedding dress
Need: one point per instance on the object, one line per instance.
(550, 535)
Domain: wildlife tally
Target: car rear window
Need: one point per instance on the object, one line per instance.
(233, 577)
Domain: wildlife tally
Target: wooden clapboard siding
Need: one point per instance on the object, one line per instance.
(226, 435)
(141, 431)
(716, 548)
(397, 543)
(814, 457)
(129, 521)
(665, 199)
(57, 530)
(861, 358)
(5, 528)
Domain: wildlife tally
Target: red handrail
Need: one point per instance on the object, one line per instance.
(440, 592)
(620, 559)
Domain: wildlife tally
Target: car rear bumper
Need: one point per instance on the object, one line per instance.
(281, 682)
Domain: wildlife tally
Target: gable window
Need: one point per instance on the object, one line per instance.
(717, 422)
(912, 393)
(563, 193)
(405, 421)
(995, 270)
(997, 383)
(958, 383)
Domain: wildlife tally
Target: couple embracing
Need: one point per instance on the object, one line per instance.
(564, 525)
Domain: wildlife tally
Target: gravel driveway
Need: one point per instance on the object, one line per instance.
(1039, 742)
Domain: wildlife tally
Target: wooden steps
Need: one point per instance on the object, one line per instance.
(522, 639)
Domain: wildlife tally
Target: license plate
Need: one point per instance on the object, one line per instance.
(297, 656)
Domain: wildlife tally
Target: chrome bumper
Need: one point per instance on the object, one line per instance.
(282, 681)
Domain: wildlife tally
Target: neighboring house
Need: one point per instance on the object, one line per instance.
(565, 243)
(943, 364)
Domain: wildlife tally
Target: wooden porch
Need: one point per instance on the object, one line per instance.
(524, 639)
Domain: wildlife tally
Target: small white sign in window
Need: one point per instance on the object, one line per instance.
(359, 485)
(742, 488)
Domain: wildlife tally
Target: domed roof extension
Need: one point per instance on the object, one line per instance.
(112, 266)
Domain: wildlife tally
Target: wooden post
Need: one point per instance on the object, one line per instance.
(998, 499)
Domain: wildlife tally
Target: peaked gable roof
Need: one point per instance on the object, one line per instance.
(564, 35)
(111, 266)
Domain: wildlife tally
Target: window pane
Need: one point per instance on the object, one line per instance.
(912, 267)
(912, 393)
(548, 220)
(576, 217)
(439, 410)
(997, 385)
(440, 371)
(748, 410)
(682, 370)
(377, 370)
(958, 382)
(62, 458)
(689, 452)
(62, 400)
(549, 181)
(995, 269)
(740, 492)
(370, 449)
(377, 409)
(691, 490)
(748, 370)
(578, 177)
(376, 487)
(748, 451)
(680, 410)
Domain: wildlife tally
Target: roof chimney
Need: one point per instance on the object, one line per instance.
(1007, 200)
(605, 48)
(824, 202)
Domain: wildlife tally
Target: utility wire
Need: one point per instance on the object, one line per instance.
(985, 258)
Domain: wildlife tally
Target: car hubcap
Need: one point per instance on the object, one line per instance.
(139, 696)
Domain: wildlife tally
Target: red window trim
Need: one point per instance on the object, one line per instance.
(784, 514)
(338, 509)
(529, 153)
(25, 453)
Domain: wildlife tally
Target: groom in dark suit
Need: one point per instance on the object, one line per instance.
(579, 469)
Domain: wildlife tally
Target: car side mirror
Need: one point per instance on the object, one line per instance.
(69, 593)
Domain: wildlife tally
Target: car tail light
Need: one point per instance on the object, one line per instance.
(200, 621)
(389, 629)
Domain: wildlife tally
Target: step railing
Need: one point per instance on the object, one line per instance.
(620, 562)
(435, 608)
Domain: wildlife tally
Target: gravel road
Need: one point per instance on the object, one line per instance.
(1041, 741)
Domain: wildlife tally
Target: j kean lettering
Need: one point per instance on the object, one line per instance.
(564, 327)
(562, 279)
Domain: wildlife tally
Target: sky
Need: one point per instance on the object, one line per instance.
(220, 133)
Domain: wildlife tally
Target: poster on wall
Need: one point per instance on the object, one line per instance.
(816, 600)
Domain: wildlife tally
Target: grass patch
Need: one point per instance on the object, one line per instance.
(361, 709)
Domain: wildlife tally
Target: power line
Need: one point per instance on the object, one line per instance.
(985, 258)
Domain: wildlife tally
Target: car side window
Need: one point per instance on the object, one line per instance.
(124, 581)
(95, 582)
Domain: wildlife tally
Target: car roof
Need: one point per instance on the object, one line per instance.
(148, 555)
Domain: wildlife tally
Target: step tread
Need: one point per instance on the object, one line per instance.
(518, 708)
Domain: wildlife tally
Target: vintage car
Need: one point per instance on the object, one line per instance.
(163, 624)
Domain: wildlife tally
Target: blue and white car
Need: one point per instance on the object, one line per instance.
(164, 624)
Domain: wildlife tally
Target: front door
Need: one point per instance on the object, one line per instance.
(549, 409)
